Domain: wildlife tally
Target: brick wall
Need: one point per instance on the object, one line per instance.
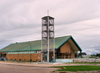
(24, 57)
(37, 56)
(0, 54)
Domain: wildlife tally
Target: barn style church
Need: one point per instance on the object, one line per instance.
(65, 48)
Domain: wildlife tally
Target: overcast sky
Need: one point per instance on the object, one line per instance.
(20, 21)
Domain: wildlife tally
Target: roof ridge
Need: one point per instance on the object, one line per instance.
(25, 42)
(64, 36)
(38, 40)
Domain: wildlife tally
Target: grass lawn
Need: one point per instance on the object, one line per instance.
(78, 68)
(84, 63)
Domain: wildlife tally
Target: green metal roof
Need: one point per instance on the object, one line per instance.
(35, 45)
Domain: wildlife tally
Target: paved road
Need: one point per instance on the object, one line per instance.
(8, 68)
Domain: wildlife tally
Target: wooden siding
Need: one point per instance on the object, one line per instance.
(67, 49)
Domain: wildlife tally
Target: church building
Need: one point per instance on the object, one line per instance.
(65, 48)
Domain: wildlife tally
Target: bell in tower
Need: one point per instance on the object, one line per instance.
(48, 41)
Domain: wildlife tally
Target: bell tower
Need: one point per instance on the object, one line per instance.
(48, 41)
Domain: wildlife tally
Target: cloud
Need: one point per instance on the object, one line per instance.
(20, 20)
(86, 33)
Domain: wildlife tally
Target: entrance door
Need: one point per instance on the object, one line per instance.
(64, 56)
(44, 57)
(50, 56)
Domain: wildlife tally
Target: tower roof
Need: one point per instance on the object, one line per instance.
(47, 16)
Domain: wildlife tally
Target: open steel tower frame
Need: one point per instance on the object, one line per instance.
(48, 40)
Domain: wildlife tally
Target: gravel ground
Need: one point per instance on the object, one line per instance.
(19, 68)
(14, 67)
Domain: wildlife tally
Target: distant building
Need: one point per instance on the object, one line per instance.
(83, 53)
(65, 47)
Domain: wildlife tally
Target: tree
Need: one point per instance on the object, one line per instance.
(98, 55)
